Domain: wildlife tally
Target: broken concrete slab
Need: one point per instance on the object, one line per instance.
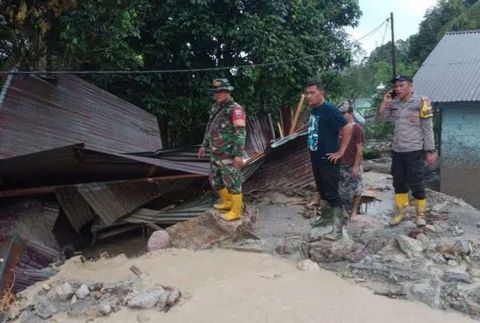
(209, 229)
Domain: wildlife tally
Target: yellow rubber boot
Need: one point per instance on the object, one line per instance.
(226, 203)
(401, 201)
(420, 206)
(237, 207)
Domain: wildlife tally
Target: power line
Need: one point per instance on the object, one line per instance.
(193, 70)
(385, 32)
(372, 32)
(165, 71)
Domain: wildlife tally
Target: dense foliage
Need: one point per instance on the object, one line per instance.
(184, 34)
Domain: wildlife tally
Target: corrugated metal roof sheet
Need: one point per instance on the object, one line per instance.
(75, 164)
(75, 207)
(36, 115)
(112, 201)
(179, 213)
(452, 70)
(287, 166)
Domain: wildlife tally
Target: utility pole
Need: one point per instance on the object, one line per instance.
(394, 63)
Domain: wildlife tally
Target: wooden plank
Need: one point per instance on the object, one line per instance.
(51, 189)
(297, 114)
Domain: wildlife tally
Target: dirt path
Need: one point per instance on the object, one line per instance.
(232, 286)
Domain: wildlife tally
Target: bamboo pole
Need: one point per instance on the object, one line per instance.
(297, 114)
(280, 130)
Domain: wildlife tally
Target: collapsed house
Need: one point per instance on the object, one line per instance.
(79, 164)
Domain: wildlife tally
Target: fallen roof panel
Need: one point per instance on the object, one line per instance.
(75, 164)
(37, 114)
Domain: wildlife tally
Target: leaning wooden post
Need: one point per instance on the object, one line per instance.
(297, 114)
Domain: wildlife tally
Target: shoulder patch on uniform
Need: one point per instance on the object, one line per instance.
(426, 110)
(238, 116)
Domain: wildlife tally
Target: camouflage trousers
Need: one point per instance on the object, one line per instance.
(223, 174)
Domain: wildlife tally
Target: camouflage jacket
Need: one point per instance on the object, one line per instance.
(225, 132)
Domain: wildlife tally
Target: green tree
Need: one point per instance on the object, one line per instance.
(447, 15)
(26, 31)
(185, 34)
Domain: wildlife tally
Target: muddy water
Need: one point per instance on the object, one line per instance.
(232, 286)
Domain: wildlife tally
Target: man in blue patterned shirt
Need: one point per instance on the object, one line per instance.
(325, 125)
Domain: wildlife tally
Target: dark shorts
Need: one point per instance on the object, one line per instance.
(350, 186)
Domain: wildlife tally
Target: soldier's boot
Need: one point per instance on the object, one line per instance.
(225, 203)
(401, 201)
(420, 207)
(237, 207)
(338, 220)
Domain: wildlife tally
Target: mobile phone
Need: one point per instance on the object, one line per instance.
(392, 93)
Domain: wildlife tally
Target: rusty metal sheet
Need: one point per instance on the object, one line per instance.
(36, 115)
(75, 164)
(258, 135)
(112, 201)
(287, 166)
(75, 206)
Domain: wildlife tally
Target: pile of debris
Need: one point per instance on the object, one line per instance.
(78, 165)
(95, 299)
(438, 265)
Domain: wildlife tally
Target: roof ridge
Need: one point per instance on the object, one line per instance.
(473, 31)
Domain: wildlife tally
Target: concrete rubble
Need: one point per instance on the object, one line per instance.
(439, 265)
(90, 300)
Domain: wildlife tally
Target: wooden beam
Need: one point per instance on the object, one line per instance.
(280, 130)
(51, 189)
(297, 114)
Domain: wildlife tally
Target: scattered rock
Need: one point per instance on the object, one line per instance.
(163, 301)
(104, 308)
(458, 231)
(82, 292)
(159, 239)
(431, 228)
(474, 272)
(73, 300)
(288, 247)
(463, 247)
(427, 292)
(46, 287)
(307, 265)
(317, 233)
(83, 307)
(65, 291)
(173, 297)
(332, 251)
(411, 247)
(454, 276)
(452, 263)
(146, 299)
(45, 309)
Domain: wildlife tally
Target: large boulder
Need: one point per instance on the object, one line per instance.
(159, 239)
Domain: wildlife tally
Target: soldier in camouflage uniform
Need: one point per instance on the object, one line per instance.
(225, 140)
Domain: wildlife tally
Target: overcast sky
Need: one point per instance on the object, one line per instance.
(407, 16)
